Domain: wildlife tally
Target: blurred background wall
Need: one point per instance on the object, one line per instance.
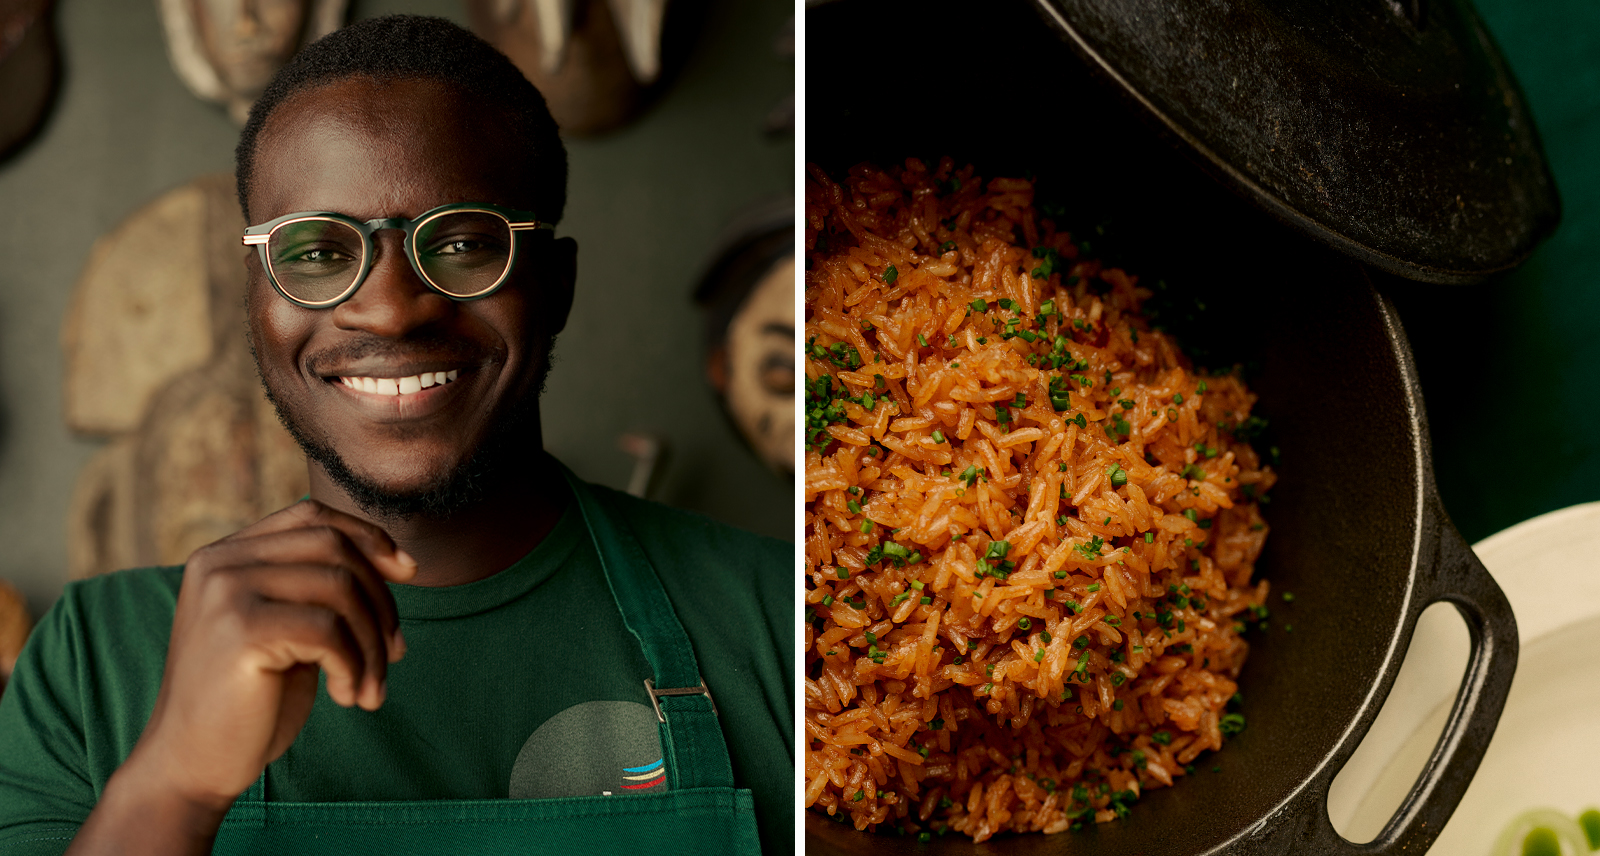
(648, 203)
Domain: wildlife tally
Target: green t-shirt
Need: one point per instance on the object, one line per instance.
(525, 684)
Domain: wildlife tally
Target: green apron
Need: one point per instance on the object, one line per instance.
(700, 813)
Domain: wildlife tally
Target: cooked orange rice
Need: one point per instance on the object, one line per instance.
(1030, 527)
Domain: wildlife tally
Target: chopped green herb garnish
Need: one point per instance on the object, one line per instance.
(1231, 724)
(1052, 260)
(842, 572)
(979, 306)
(1090, 549)
(1249, 429)
(938, 436)
(890, 275)
(1118, 475)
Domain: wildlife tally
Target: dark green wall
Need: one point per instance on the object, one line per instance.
(1510, 368)
(646, 205)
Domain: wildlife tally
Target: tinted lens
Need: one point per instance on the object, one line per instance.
(464, 253)
(315, 260)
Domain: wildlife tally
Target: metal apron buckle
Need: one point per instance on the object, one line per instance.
(650, 687)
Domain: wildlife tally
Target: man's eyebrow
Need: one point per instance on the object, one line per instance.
(780, 329)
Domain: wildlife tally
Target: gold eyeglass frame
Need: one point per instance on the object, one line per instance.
(516, 221)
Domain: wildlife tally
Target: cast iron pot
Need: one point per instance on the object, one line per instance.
(1358, 534)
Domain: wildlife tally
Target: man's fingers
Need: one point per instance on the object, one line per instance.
(395, 564)
(334, 588)
(287, 634)
(322, 545)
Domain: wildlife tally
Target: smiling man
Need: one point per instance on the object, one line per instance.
(454, 645)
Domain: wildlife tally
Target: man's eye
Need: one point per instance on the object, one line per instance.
(308, 256)
(460, 246)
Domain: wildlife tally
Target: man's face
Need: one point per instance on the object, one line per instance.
(372, 149)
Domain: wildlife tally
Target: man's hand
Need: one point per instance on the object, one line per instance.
(258, 614)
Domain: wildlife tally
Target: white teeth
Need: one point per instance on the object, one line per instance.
(400, 386)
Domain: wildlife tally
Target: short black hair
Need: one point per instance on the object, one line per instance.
(420, 47)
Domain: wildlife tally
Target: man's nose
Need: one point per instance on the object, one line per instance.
(393, 301)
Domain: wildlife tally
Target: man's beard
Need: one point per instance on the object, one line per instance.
(458, 489)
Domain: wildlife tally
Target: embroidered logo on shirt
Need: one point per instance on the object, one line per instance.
(647, 776)
(596, 748)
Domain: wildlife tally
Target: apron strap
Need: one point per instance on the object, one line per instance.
(691, 738)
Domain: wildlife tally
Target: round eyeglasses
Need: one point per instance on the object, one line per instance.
(317, 259)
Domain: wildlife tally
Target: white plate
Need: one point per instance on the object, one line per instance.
(1546, 749)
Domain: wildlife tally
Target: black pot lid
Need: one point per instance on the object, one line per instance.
(1408, 146)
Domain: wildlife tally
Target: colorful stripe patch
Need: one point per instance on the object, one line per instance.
(648, 776)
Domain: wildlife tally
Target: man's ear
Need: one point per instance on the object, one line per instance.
(561, 272)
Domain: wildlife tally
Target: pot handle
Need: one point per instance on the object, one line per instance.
(1456, 576)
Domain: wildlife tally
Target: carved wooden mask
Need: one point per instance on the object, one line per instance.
(228, 50)
(596, 61)
(30, 67)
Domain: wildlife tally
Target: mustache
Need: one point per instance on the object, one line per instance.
(420, 347)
